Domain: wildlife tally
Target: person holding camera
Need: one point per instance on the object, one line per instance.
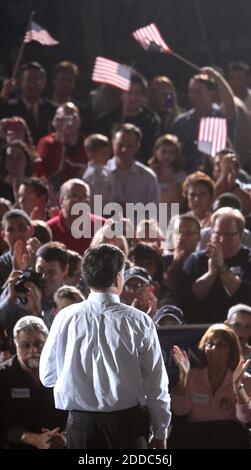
(28, 415)
(62, 152)
(31, 291)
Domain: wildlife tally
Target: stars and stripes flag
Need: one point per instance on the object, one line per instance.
(35, 32)
(212, 136)
(150, 39)
(112, 73)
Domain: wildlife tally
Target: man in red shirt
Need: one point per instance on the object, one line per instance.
(76, 229)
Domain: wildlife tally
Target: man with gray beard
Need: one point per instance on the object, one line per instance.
(28, 415)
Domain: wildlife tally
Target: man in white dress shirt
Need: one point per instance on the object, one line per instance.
(104, 361)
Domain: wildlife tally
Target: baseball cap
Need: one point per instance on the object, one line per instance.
(170, 311)
(138, 272)
(238, 308)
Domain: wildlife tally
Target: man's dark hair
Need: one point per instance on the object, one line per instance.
(38, 186)
(101, 264)
(15, 213)
(238, 66)
(33, 66)
(54, 251)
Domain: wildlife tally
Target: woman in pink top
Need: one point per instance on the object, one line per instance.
(219, 389)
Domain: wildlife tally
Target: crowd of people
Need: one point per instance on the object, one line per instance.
(69, 174)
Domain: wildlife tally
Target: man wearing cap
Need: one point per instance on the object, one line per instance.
(168, 315)
(104, 360)
(239, 318)
(138, 290)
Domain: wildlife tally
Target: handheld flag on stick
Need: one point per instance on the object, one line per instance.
(35, 32)
(212, 135)
(150, 39)
(112, 73)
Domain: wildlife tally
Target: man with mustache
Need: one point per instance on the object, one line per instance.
(28, 415)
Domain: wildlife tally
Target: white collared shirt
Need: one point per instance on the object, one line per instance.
(102, 355)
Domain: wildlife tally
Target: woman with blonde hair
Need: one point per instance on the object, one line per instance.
(106, 234)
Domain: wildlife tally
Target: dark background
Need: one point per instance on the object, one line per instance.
(207, 32)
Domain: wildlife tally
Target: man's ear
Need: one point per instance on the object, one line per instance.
(66, 270)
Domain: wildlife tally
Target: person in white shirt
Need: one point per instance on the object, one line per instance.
(103, 359)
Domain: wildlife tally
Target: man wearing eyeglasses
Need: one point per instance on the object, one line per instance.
(28, 415)
(220, 276)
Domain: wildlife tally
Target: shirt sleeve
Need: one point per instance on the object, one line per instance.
(156, 384)
(48, 358)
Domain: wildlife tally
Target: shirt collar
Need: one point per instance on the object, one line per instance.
(103, 297)
(112, 166)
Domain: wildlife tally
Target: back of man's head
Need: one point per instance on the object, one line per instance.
(101, 265)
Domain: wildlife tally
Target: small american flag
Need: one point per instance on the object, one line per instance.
(150, 39)
(112, 73)
(39, 34)
(212, 135)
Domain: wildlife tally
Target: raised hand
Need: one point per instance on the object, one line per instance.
(181, 359)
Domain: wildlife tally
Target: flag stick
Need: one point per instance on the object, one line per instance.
(21, 50)
(191, 64)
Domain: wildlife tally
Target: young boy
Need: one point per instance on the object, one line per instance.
(97, 148)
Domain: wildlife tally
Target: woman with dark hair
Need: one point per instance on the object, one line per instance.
(16, 165)
(198, 191)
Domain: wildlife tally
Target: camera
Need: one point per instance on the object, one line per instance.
(28, 276)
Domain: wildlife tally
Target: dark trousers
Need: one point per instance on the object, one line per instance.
(126, 429)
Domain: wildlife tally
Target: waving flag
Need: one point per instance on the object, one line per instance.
(212, 135)
(150, 39)
(112, 73)
(39, 34)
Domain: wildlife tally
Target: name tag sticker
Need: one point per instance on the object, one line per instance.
(200, 398)
(20, 393)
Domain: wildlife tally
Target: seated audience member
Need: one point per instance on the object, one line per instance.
(134, 111)
(66, 295)
(36, 296)
(198, 190)
(37, 111)
(71, 192)
(17, 232)
(219, 277)
(239, 319)
(217, 392)
(97, 176)
(229, 177)
(166, 162)
(162, 98)
(168, 315)
(29, 418)
(224, 200)
(62, 152)
(138, 290)
(33, 196)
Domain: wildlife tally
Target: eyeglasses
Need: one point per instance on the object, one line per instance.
(226, 234)
(219, 345)
(134, 286)
(25, 346)
(240, 326)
